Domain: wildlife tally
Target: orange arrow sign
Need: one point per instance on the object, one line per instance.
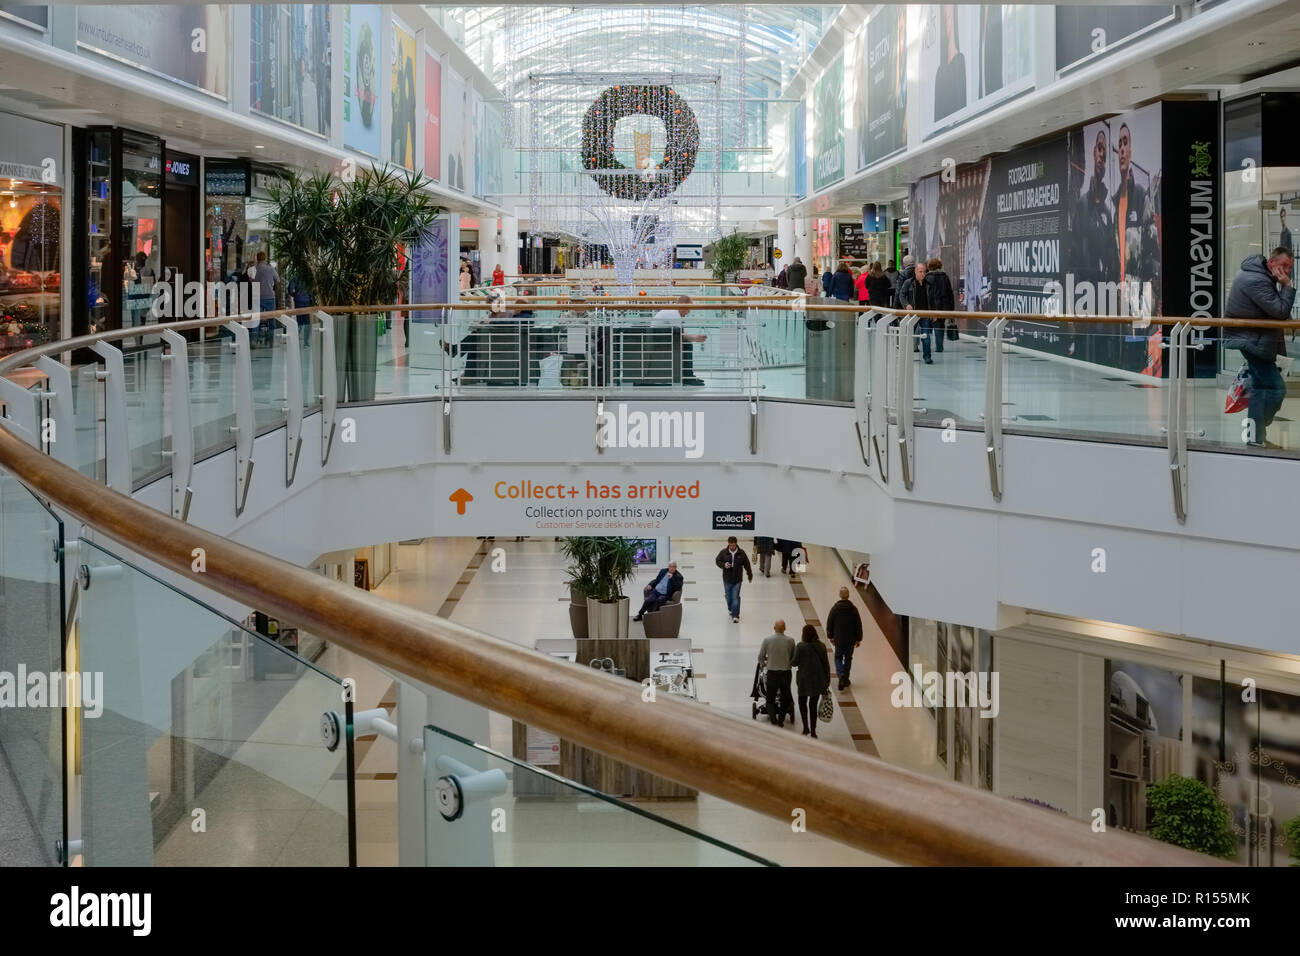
(461, 497)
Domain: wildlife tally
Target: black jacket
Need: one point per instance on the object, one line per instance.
(1255, 295)
(739, 566)
(764, 545)
(844, 624)
(675, 583)
(905, 294)
(880, 292)
(938, 291)
(796, 275)
(814, 666)
(842, 286)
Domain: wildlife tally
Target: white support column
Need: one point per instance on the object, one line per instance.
(804, 235)
(785, 231)
(510, 245)
(487, 247)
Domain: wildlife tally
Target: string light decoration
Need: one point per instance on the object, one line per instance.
(680, 151)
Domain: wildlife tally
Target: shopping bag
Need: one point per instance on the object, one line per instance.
(1239, 393)
(826, 709)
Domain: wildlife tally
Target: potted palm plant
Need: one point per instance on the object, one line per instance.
(599, 569)
(729, 255)
(347, 241)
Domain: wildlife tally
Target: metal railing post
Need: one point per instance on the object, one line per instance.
(182, 434)
(328, 382)
(243, 427)
(57, 401)
(862, 368)
(448, 382)
(117, 444)
(905, 398)
(993, 382)
(885, 340)
(1176, 424)
(293, 399)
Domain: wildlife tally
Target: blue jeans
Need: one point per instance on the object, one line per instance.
(1267, 390)
(925, 327)
(732, 591)
(843, 661)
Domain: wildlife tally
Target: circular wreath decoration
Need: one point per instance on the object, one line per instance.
(682, 145)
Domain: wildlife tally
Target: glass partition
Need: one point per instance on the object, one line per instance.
(205, 746)
(145, 383)
(483, 808)
(31, 642)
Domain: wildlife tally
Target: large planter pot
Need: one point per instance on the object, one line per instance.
(578, 615)
(356, 355)
(607, 621)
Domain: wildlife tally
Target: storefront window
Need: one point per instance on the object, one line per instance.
(141, 231)
(30, 277)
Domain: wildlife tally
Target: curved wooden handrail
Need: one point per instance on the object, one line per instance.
(861, 801)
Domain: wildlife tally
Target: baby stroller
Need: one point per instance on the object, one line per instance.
(759, 695)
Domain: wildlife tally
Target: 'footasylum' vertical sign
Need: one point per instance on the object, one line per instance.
(1192, 266)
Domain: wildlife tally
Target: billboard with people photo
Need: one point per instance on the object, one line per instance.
(402, 125)
(362, 112)
(971, 57)
(828, 126)
(289, 63)
(432, 116)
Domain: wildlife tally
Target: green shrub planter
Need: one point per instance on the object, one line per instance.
(1187, 813)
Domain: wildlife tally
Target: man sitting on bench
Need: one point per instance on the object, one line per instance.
(657, 593)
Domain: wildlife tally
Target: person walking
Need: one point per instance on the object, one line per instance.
(842, 287)
(940, 297)
(764, 548)
(657, 593)
(734, 564)
(903, 285)
(814, 678)
(914, 299)
(797, 275)
(266, 277)
(498, 275)
(844, 628)
(891, 273)
(466, 275)
(776, 653)
(828, 281)
(880, 292)
(1262, 289)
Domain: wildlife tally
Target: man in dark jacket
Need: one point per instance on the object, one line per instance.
(844, 628)
(828, 281)
(842, 285)
(903, 286)
(940, 297)
(797, 275)
(658, 592)
(734, 564)
(1261, 290)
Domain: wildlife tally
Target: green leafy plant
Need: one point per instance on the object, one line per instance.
(1187, 813)
(729, 254)
(348, 241)
(1292, 830)
(599, 566)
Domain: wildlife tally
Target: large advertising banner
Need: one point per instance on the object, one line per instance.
(402, 126)
(289, 63)
(1074, 227)
(971, 57)
(361, 106)
(456, 131)
(1087, 31)
(429, 270)
(828, 126)
(799, 146)
(881, 88)
(476, 117)
(432, 116)
(182, 43)
(492, 157)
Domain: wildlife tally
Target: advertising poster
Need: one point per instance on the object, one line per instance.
(289, 63)
(492, 157)
(799, 144)
(950, 221)
(1090, 31)
(361, 51)
(881, 88)
(828, 127)
(402, 126)
(162, 40)
(456, 130)
(1144, 735)
(432, 116)
(971, 57)
(28, 14)
(476, 138)
(429, 271)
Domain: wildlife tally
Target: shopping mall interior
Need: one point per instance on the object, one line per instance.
(649, 435)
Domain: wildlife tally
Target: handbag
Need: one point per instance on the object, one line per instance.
(826, 707)
(952, 332)
(1239, 393)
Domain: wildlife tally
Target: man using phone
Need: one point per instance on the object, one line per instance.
(1261, 290)
(734, 563)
